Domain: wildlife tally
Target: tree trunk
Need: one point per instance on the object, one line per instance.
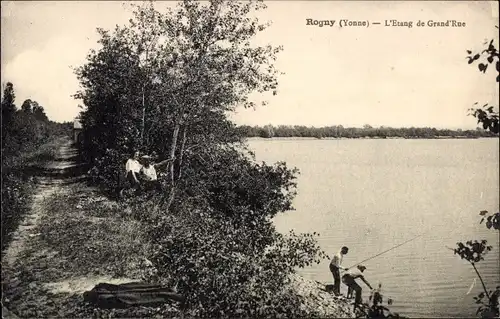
(173, 147)
(181, 153)
(171, 197)
(143, 123)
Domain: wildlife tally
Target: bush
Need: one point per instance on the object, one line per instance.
(216, 266)
(16, 191)
(377, 308)
(107, 170)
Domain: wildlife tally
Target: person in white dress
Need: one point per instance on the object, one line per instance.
(132, 169)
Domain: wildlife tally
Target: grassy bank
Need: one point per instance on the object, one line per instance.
(81, 239)
(71, 238)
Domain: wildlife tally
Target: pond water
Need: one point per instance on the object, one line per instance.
(371, 195)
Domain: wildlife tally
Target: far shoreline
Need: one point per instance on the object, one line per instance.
(306, 138)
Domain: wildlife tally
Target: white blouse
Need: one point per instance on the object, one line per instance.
(149, 172)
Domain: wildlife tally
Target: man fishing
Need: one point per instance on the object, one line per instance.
(349, 279)
(335, 267)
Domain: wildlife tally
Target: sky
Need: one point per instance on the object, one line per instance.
(350, 76)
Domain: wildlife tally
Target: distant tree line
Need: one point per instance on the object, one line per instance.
(368, 131)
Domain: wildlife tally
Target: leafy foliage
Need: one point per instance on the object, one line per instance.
(488, 306)
(8, 106)
(491, 54)
(377, 308)
(492, 221)
(223, 272)
(219, 245)
(487, 115)
(473, 252)
(26, 129)
(165, 73)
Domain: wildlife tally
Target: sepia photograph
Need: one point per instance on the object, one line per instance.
(250, 159)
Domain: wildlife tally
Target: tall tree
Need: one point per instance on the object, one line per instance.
(39, 112)
(8, 110)
(165, 83)
(165, 71)
(8, 106)
(26, 106)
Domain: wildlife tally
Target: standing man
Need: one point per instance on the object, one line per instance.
(349, 279)
(335, 267)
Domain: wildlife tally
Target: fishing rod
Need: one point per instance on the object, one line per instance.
(385, 251)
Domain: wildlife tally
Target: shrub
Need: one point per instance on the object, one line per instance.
(377, 309)
(218, 268)
(108, 170)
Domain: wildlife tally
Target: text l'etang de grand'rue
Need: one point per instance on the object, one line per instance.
(385, 23)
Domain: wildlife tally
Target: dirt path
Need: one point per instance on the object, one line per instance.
(72, 239)
(50, 181)
(48, 185)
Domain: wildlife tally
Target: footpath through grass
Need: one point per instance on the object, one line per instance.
(20, 176)
(79, 240)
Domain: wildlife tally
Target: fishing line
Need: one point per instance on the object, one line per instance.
(385, 251)
(471, 286)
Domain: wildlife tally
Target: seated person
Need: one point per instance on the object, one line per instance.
(148, 172)
(132, 170)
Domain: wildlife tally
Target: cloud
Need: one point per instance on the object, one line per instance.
(46, 75)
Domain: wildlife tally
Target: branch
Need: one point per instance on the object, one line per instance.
(168, 160)
(482, 282)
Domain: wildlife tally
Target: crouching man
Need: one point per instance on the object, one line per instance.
(349, 279)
